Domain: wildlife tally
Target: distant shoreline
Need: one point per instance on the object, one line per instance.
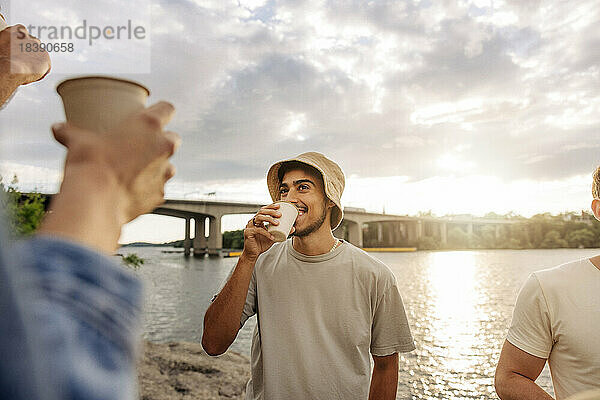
(145, 244)
(370, 249)
(543, 231)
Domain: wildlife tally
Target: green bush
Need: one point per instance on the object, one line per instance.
(552, 240)
(24, 211)
(133, 261)
(233, 239)
(458, 239)
(428, 243)
(582, 238)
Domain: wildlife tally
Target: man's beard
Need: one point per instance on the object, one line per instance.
(314, 226)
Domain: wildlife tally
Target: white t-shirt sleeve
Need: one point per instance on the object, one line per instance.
(250, 305)
(530, 329)
(390, 332)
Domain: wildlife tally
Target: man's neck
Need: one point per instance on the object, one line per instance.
(595, 261)
(318, 242)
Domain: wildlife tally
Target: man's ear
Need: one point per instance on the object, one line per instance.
(330, 204)
(596, 208)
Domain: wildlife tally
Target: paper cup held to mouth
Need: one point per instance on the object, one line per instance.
(101, 103)
(289, 213)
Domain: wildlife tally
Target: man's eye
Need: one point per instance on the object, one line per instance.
(303, 187)
(281, 191)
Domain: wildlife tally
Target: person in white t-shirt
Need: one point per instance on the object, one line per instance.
(324, 307)
(556, 319)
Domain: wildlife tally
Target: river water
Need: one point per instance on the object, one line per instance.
(459, 305)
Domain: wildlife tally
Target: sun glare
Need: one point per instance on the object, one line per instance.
(453, 163)
(452, 283)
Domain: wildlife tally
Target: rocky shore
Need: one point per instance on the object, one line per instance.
(182, 370)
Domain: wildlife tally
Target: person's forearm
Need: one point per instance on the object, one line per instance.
(93, 305)
(88, 208)
(384, 384)
(222, 319)
(512, 386)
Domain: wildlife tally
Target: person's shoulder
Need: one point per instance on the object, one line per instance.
(363, 257)
(273, 254)
(565, 278)
(366, 263)
(564, 273)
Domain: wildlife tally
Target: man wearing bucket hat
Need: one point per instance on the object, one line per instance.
(324, 307)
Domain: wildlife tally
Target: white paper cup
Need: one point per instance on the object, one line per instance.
(289, 213)
(101, 103)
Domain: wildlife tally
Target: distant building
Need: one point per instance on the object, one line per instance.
(584, 217)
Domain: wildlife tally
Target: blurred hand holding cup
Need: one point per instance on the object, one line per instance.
(289, 213)
(100, 103)
(110, 126)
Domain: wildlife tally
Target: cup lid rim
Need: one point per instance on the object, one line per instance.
(91, 77)
(288, 202)
(283, 201)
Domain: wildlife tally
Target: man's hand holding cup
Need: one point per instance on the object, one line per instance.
(259, 237)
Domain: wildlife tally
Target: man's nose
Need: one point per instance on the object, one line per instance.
(291, 196)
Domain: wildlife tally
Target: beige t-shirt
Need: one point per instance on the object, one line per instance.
(557, 316)
(319, 319)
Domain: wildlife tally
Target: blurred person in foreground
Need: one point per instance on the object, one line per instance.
(69, 316)
(556, 319)
(324, 307)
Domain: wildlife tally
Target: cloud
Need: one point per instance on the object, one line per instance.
(386, 88)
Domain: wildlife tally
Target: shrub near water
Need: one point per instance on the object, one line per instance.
(24, 211)
(428, 243)
(233, 239)
(133, 261)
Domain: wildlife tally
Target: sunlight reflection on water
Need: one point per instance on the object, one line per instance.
(459, 305)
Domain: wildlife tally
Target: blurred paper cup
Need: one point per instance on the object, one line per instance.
(3, 23)
(289, 213)
(101, 103)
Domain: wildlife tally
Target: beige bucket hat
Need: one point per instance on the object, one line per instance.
(593, 394)
(333, 178)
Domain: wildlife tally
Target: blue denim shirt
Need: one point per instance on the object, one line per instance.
(69, 323)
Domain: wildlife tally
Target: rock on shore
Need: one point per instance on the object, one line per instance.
(182, 370)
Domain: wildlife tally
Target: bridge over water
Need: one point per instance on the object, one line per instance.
(361, 228)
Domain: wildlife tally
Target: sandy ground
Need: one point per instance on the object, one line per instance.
(183, 370)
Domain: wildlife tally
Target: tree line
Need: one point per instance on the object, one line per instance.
(541, 231)
(25, 212)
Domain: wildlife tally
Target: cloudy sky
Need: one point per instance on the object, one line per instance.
(449, 106)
